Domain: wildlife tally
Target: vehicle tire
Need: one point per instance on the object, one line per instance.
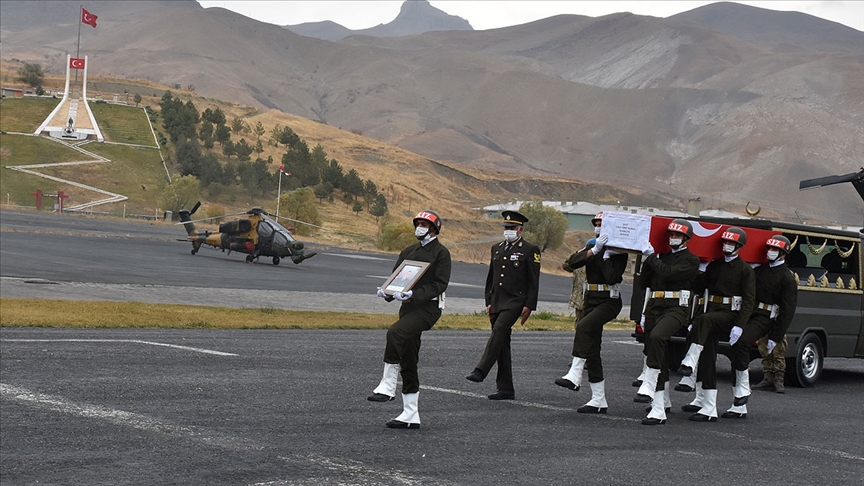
(805, 368)
(275, 260)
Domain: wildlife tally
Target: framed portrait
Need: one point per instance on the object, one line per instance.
(404, 277)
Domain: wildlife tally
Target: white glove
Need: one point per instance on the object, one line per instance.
(600, 243)
(610, 253)
(648, 251)
(734, 335)
(381, 293)
(642, 321)
(690, 328)
(771, 345)
(402, 296)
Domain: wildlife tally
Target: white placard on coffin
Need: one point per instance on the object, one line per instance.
(627, 231)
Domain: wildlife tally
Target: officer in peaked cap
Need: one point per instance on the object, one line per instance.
(512, 286)
(513, 219)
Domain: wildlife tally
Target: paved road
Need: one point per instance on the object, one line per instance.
(52, 256)
(287, 407)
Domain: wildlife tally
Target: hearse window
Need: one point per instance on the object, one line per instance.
(825, 261)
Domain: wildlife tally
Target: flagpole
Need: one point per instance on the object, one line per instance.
(78, 46)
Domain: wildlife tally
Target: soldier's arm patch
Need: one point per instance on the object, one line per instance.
(536, 258)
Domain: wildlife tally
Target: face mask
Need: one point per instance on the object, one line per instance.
(421, 232)
(676, 242)
(772, 255)
(728, 249)
(510, 236)
(596, 231)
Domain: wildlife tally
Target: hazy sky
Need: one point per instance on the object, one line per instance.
(490, 14)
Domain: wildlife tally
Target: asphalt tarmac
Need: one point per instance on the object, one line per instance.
(287, 407)
(69, 257)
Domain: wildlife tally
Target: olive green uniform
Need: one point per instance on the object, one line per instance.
(774, 286)
(513, 282)
(669, 272)
(722, 279)
(420, 312)
(599, 306)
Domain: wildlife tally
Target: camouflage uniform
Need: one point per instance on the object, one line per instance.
(773, 365)
(577, 300)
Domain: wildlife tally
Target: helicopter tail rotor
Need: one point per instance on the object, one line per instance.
(185, 218)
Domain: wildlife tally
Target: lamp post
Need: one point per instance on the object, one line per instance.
(279, 190)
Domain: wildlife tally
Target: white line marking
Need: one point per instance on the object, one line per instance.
(525, 404)
(727, 435)
(359, 257)
(451, 284)
(133, 341)
(126, 419)
(198, 434)
(631, 343)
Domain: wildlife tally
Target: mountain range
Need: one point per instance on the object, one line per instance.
(725, 102)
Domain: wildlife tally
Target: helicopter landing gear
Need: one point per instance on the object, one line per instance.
(249, 258)
(275, 260)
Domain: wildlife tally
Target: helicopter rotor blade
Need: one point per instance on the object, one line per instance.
(212, 217)
(298, 221)
(195, 208)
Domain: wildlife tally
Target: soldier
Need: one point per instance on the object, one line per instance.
(420, 310)
(604, 270)
(730, 285)
(776, 299)
(577, 300)
(668, 278)
(773, 365)
(511, 292)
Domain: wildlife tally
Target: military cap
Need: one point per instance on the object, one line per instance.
(513, 218)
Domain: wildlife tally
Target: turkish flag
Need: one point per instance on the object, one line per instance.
(88, 18)
(76, 63)
(706, 242)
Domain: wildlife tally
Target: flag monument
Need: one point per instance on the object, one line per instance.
(65, 121)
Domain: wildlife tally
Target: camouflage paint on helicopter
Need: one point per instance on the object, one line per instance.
(256, 235)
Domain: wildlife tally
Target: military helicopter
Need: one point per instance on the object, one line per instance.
(256, 235)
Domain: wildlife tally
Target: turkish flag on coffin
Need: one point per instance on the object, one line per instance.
(706, 240)
(76, 63)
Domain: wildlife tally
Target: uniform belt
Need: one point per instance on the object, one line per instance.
(596, 287)
(764, 306)
(773, 310)
(717, 299)
(665, 295)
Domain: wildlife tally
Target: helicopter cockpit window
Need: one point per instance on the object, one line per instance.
(265, 230)
(279, 238)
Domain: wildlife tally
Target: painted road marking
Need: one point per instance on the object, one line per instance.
(359, 257)
(451, 284)
(126, 419)
(198, 434)
(727, 435)
(133, 341)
